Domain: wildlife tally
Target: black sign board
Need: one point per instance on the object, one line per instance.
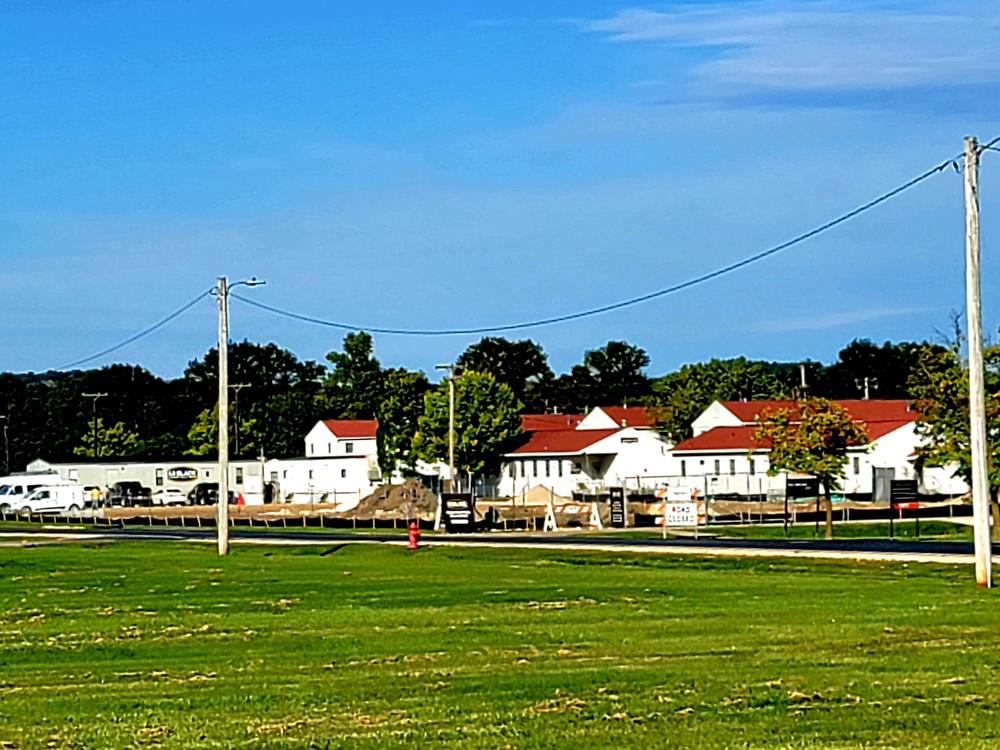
(617, 499)
(796, 488)
(182, 474)
(902, 492)
(458, 511)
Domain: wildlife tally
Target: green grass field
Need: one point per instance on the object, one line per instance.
(131, 645)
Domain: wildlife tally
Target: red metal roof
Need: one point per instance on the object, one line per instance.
(628, 416)
(352, 428)
(560, 441)
(875, 410)
(741, 438)
(536, 422)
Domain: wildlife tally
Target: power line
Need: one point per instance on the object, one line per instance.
(144, 332)
(633, 300)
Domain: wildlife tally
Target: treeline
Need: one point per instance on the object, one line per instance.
(276, 398)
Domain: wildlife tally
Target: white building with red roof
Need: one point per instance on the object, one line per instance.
(610, 446)
(722, 458)
(340, 464)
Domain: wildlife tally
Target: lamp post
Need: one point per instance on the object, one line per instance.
(222, 292)
(451, 369)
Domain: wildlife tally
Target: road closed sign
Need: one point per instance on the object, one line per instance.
(680, 514)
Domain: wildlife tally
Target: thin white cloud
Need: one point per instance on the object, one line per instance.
(833, 320)
(798, 46)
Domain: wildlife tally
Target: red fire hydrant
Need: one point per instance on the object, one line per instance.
(414, 536)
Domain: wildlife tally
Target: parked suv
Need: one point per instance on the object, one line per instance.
(207, 493)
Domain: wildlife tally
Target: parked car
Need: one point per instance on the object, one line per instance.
(168, 496)
(128, 495)
(61, 498)
(15, 488)
(207, 493)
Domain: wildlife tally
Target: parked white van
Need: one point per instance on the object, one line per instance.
(15, 487)
(64, 499)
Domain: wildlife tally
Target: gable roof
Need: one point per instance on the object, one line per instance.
(741, 438)
(860, 410)
(560, 441)
(628, 416)
(536, 422)
(352, 428)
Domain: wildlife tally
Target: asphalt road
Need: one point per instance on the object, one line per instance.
(845, 549)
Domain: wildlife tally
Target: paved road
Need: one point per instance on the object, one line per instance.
(845, 549)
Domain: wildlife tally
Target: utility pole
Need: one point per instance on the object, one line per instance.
(863, 384)
(222, 292)
(6, 443)
(236, 414)
(94, 396)
(977, 394)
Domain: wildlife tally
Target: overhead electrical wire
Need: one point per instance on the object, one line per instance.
(624, 303)
(141, 334)
(990, 145)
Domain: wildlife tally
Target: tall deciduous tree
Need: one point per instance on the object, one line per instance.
(487, 424)
(400, 406)
(940, 385)
(887, 368)
(351, 390)
(203, 437)
(814, 439)
(522, 365)
(679, 397)
(116, 440)
(611, 376)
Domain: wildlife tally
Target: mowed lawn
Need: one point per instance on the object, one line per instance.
(156, 644)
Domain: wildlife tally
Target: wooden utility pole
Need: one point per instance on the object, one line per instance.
(977, 395)
(94, 396)
(222, 292)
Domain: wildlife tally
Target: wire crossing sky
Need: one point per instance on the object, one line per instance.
(442, 168)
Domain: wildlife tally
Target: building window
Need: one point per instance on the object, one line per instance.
(629, 440)
(343, 473)
(312, 449)
(857, 466)
(732, 467)
(159, 477)
(239, 475)
(684, 468)
(559, 467)
(716, 467)
(753, 467)
(348, 447)
(274, 476)
(329, 448)
(284, 474)
(534, 467)
(512, 470)
(547, 468)
(310, 473)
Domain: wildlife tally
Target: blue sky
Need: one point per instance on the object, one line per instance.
(458, 164)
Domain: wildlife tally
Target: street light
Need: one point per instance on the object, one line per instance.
(222, 292)
(451, 369)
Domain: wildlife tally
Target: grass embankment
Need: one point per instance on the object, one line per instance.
(166, 645)
(930, 531)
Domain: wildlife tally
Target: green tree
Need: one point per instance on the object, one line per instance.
(280, 424)
(678, 398)
(887, 367)
(116, 440)
(940, 385)
(814, 439)
(487, 424)
(203, 437)
(522, 365)
(400, 406)
(611, 376)
(351, 390)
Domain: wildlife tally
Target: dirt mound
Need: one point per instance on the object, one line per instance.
(407, 500)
